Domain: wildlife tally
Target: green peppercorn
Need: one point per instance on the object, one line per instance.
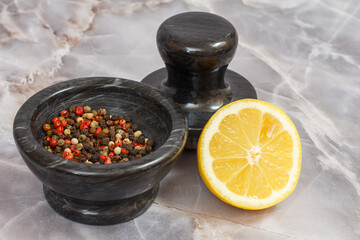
(82, 137)
(79, 146)
(61, 118)
(106, 131)
(94, 112)
(87, 109)
(103, 111)
(54, 137)
(61, 142)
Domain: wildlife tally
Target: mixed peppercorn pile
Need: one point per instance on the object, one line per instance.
(84, 135)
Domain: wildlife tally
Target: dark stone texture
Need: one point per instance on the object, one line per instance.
(157, 116)
(197, 48)
(100, 212)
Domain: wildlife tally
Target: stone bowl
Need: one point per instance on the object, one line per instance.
(102, 194)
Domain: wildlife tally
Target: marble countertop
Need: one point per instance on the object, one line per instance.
(302, 56)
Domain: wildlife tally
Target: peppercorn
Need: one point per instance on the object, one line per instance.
(137, 134)
(109, 123)
(124, 160)
(134, 127)
(64, 113)
(76, 134)
(141, 140)
(67, 132)
(79, 111)
(58, 149)
(150, 142)
(103, 111)
(77, 125)
(148, 149)
(105, 141)
(128, 119)
(101, 135)
(61, 136)
(102, 124)
(106, 131)
(66, 145)
(134, 152)
(85, 131)
(138, 156)
(70, 121)
(46, 127)
(61, 142)
(46, 142)
(87, 109)
(89, 116)
(106, 117)
(82, 137)
(53, 143)
(130, 131)
(74, 141)
(82, 159)
(79, 146)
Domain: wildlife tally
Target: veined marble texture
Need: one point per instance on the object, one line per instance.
(302, 56)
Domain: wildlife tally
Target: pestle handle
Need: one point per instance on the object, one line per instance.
(196, 47)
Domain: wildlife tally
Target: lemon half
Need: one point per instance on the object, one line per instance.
(249, 154)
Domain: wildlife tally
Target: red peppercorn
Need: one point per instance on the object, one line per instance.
(68, 141)
(63, 123)
(123, 150)
(79, 111)
(53, 143)
(72, 147)
(60, 129)
(82, 126)
(88, 122)
(99, 112)
(70, 157)
(77, 152)
(102, 147)
(103, 157)
(56, 124)
(108, 162)
(64, 113)
(118, 142)
(136, 144)
(116, 122)
(122, 122)
(55, 119)
(125, 126)
(65, 154)
(96, 118)
(47, 138)
(98, 130)
(111, 154)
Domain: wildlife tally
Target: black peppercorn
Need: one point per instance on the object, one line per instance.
(134, 127)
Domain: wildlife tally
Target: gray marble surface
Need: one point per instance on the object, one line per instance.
(302, 56)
